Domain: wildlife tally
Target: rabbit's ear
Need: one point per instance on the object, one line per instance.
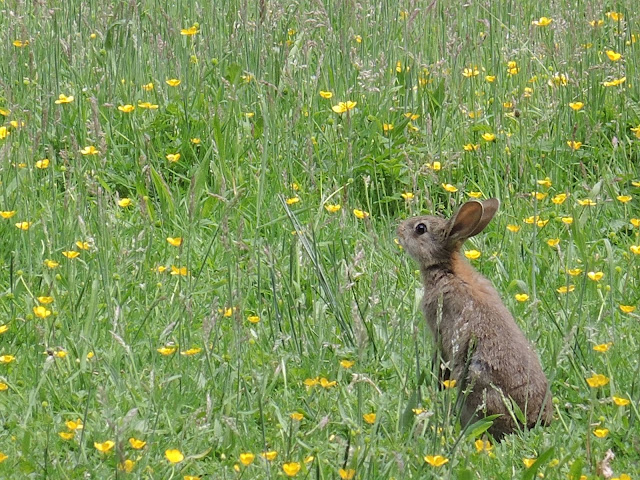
(489, 209)
(465, 221)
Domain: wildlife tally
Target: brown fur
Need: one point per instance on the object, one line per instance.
(477, 337)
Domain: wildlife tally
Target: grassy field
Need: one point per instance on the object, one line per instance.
(198, 273)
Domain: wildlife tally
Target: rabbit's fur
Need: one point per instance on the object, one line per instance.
(478, 339)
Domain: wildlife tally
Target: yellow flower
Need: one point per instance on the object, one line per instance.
(246, 459)
(20, 43)
(83, 245)
(387, 127)
(470, 72)
(412, 116)
(566, 289)
(559, 199)
(636, 131)
(522, 297)
(621, 402)
(173, 455)
(71, 254)
(576, 105)
(361, 214)
(62, 98)
(407, 196)
(74, 424)
(574, 272)
(436, 460)
(435, 166)
(297, 416)
(489, 137)
(332, 207)
(4, 132)
(311, 382)
(553, 242)
(449, 188)
(7, 358)
(566, 220)
(226, 312)
(357, 38)
(513, 228)
(474, 194)
(324, 383)
(597, 380)
(42, 164)
(326, 94)
(148, 105)
(5, 328)
(541, 223)
(182, 271)
(471, 147)
(347, 364)
(191, 351)
(601, 432)
(596, 23)
(7, 213)
(292, 200)
(128, 108)
(253, 319)
(586, 202)
(192, 30)
(512, 68)
(603, 347)
(613, 56)
(51, 263)
(615, 16)
(528, 461)
(67, 435)
(343, 107)
(545, 182)
(627, 308)
(137, 444)
(490, 78)
(370, 418)
(449, 383)
(173, 82)
(347, 474)
(595, 276)
(291, 469)
(472, 254)
(104, 447)
(127, 465)
(539, 195)
(89, 150)
(147, 87)
(624, 198)
(173, 157)
(269, 455)
(175, 241)
(41, 312)
(195, 141)
(542, 22)
(23, 225)
(574, 145)
(615, 82)
(483, 445)
(635, 249)
(124, 202)
(167, 350)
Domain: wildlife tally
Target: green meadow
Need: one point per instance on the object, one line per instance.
(199, 277)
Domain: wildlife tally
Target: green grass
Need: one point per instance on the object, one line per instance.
(337, 288)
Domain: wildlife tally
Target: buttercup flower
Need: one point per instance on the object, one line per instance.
(332, 207)
(175, 241)
(472, 254)
(361, 214)
(137, 444)
(343, 107)
(436, 460)
(613, 55)
(370, 418)
(128, 108)
(62, 98)
(104, 447)
(575, 106)
(597, 380)
(326, 94)
(542, 22)
(173, 455)
(291, 469)
(89, 150)
(173, 82)
(449, 188)
(173, 157)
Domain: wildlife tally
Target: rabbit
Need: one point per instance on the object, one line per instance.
(479, 342)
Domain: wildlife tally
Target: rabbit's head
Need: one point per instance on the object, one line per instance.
(433, 240)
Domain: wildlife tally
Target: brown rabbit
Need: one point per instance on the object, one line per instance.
(478, 338)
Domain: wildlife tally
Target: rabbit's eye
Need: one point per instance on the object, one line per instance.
(421, 229)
